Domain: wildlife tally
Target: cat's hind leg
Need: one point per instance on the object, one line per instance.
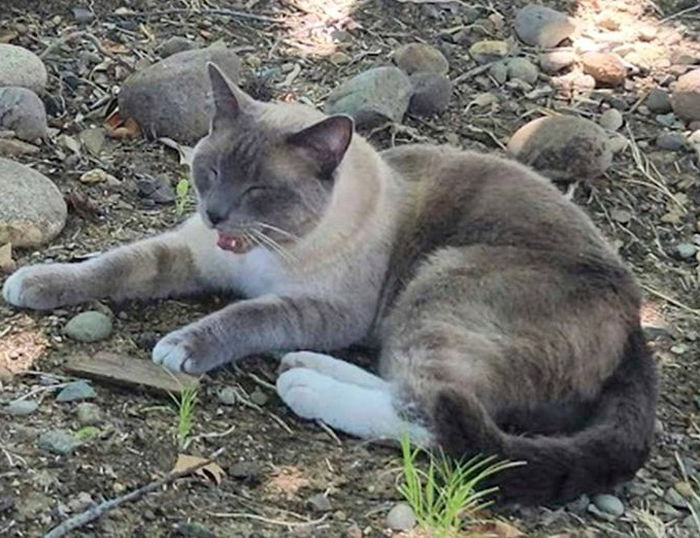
(337, 369)
(360, 411)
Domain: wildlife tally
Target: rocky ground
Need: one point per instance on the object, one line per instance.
(604, 97)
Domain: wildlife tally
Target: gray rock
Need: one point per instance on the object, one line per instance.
(244, 470)
(611, 119)
(77, 390)
(609, 504)
(89, 414)
(228, 396)
(171, 98)
(420, 58)
(194, 530)
(320, 503)
(543, 27)
(377, 95)
(23, 112)
(20, 408)
(685, 251)
(431, 94)
(686, 96)
(90, 326)
(671, 141)
(258, 397)
(175, 44)
(94, 140)
(11, 147)
(401, 517)
(32, 209)
(58, 442)
(522, 69)
(658, 101)
(83, 15)
(556, 61)
(21, 67)
(499, 72)
(580, 505)
(562, 147)
(488, 51)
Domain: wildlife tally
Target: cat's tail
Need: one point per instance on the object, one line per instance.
(609, 449)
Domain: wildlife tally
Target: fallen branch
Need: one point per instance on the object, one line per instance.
(95, 512)
(177, 11)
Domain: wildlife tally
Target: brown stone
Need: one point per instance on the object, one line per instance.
(606, 68)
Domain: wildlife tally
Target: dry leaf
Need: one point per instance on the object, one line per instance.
(116, 127)
(211, 472)
(185, 152)
(494, 529)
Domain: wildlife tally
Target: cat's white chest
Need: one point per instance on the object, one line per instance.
(259, 272)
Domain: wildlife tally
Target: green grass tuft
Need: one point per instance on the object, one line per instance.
(185, 404)
(181, 191)
(446, 493)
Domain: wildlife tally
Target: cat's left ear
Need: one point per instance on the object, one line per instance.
(325, 142)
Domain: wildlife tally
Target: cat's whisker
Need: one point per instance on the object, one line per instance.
(279, 230)
(274, 246)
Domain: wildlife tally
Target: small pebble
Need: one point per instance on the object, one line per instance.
(658, 101)
(58, 442)
(244, 470)
(401, 517)
(685, 251)
(228, 396)
(258, 397)
(611, 119)
(78, 390)
(91, 326)
(89, 414)
(20, 408)
(320, 503)
(193, 529)
(609, 505)
(671, 141)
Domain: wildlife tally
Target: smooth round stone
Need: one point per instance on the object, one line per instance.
(686, 96)
(21, 67)
(671, 142)
(420, 58)
(228, 396)
(609, 504)
(401, 517)
(58, 442)
(23, 112)
(658, 101)
(522, 69)
(91, 326)
(489, 50)
(685, 251)
(611, 119)
(563, 147)
(32, 209)
(77, 390)
(606, 68)
(431, 94)
(543, 27)
(557, 60)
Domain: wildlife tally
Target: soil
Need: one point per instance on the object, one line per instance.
(274, 462)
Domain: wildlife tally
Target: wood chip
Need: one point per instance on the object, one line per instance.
(129, 372)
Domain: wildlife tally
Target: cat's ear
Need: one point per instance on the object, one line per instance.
(229, 100)
(325, 142)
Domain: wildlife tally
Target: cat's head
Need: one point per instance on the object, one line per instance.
(265, 172)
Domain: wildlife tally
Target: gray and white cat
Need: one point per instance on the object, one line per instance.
(503, 321)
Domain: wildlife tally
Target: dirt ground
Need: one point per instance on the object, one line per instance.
(275, 462)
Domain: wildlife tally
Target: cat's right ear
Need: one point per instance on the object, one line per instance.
(229, 101)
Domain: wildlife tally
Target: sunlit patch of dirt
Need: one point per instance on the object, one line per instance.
(287, 480)
(311, 30)
(22, 343)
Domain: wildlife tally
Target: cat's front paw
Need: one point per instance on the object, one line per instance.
(188, 350)
(42, 287)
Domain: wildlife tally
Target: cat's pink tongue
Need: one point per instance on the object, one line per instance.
(228, 242)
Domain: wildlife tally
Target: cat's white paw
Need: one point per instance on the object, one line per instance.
(41, 287)
(172, 352)
(337, 369)
(306, 392)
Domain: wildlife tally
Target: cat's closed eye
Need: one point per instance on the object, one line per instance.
(254, 190)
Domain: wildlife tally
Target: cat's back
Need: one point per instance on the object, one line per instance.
(457, 198)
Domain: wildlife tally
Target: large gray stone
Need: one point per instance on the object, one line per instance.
(32, 209)
(541, 26)
(377, 95)
(172, 97)
(23, 112)
(563, 147)
(431, 94)
(21, 67)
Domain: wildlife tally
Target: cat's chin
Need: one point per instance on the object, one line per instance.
(233, 243)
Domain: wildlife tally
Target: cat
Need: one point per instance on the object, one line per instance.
(503, 321)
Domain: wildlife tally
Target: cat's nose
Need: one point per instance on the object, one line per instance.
(215, 217)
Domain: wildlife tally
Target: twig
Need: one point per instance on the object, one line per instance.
(207, 436)
(87, 35)
(267, 520)
(671, 300)
(680, 14)
(329, 431)
(474, 72)
(182, 11)
(96, 511)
